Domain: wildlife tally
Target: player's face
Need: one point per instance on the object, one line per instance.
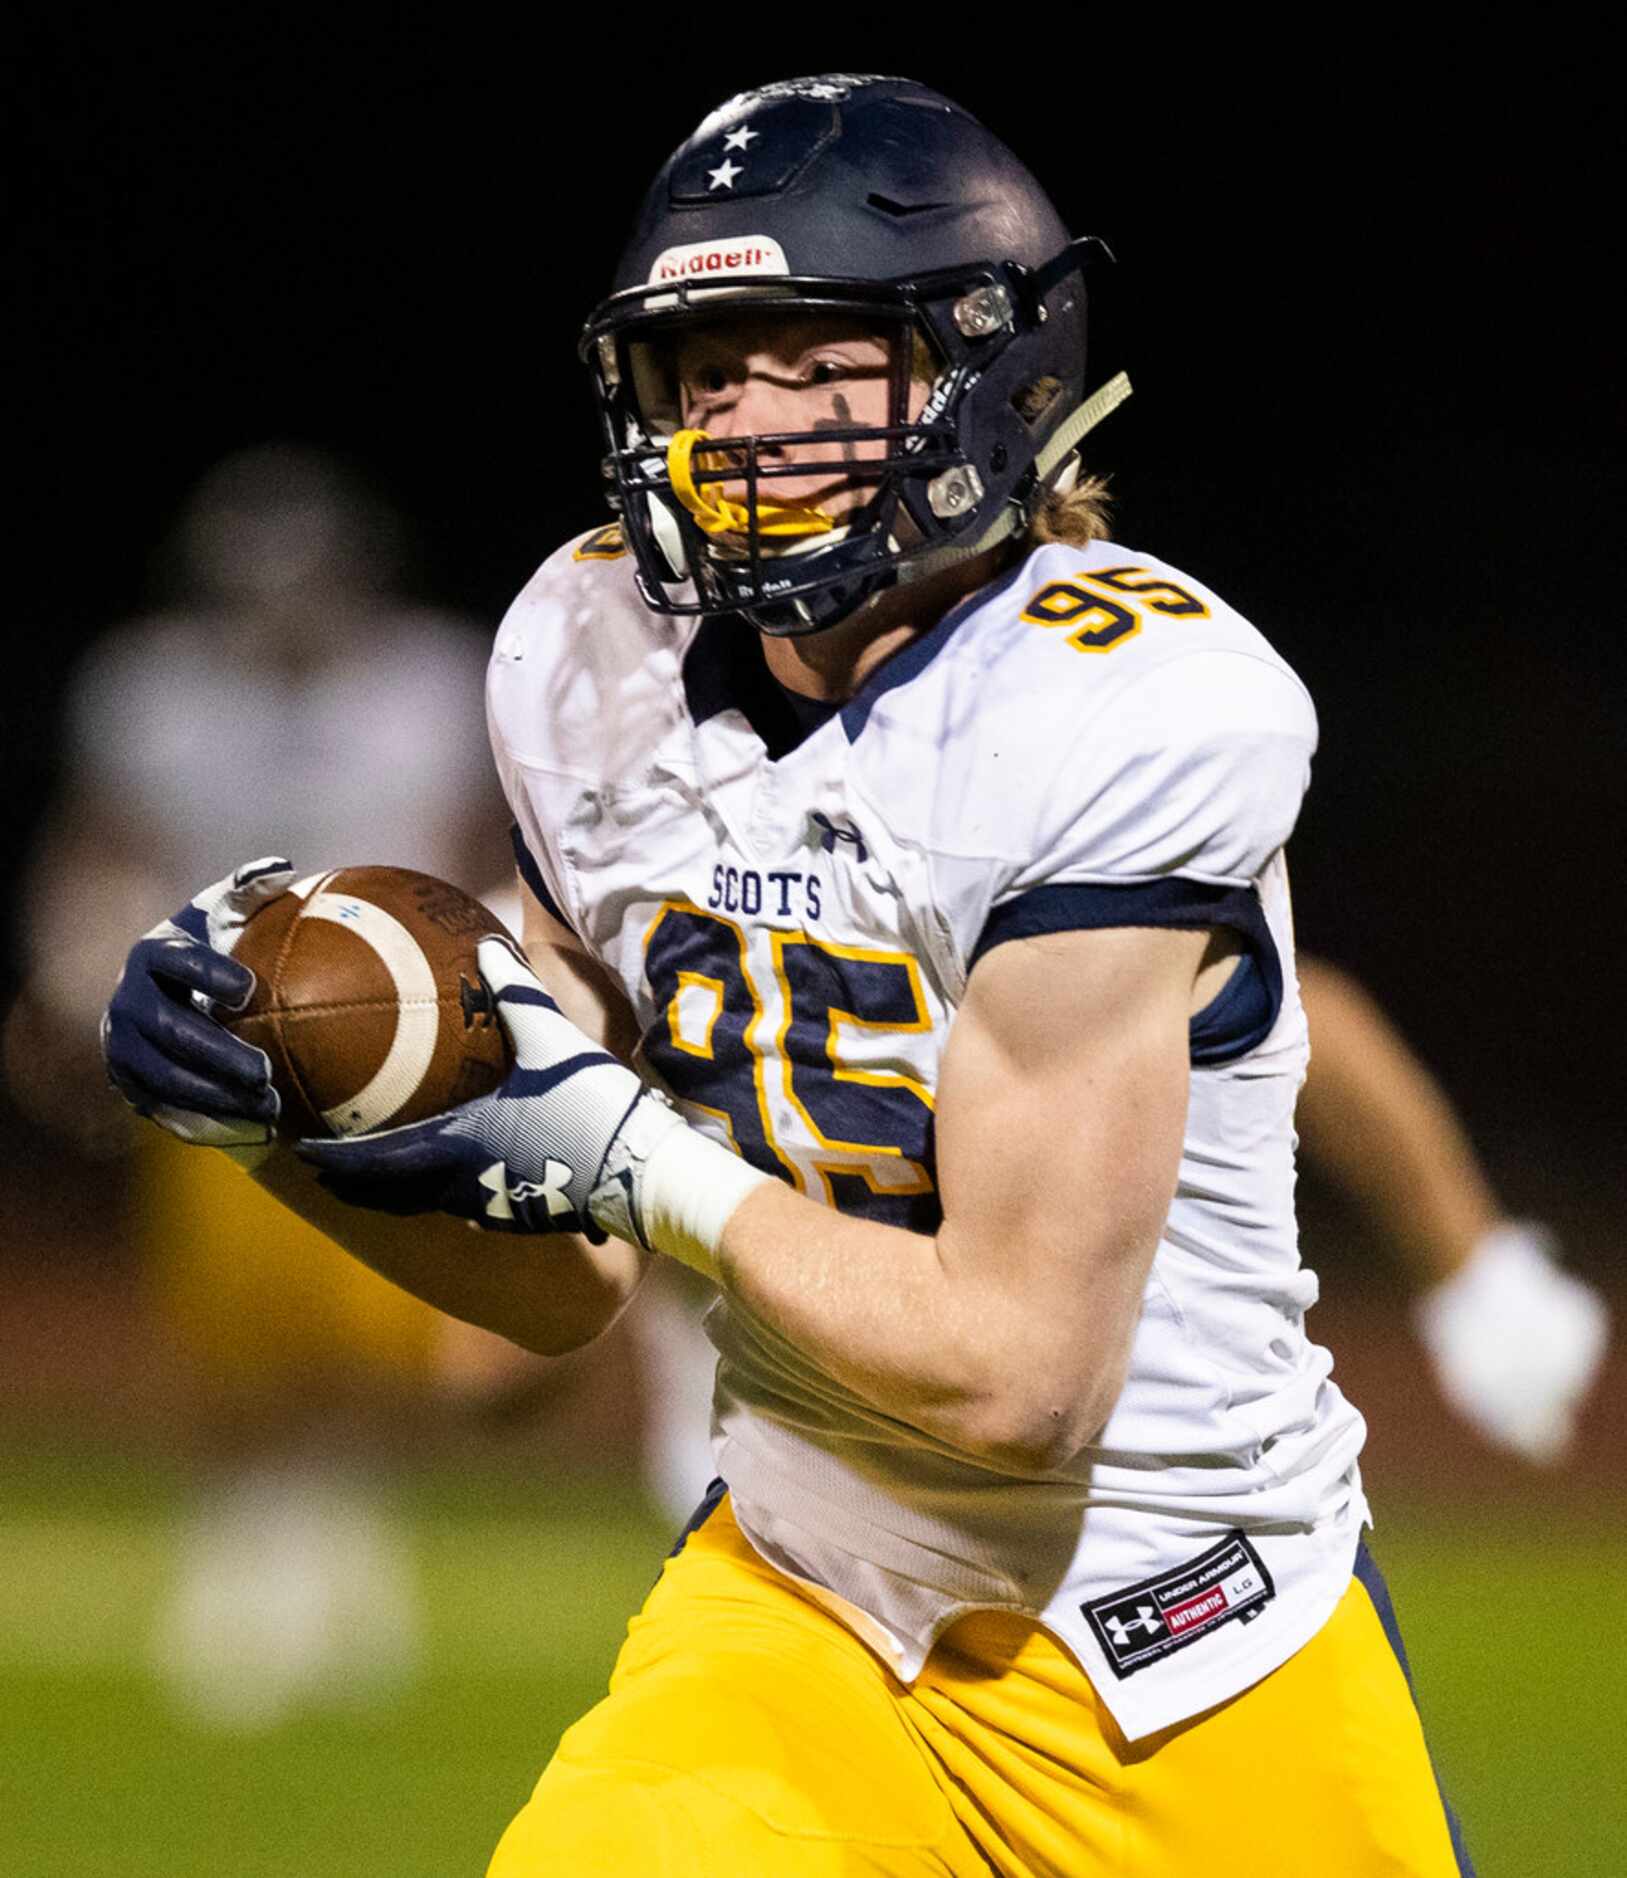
(763, 375)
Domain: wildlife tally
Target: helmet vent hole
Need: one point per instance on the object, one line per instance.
(1033, 400)
(901, 210)
(998, 459)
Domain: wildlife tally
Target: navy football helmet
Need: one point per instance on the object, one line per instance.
(871, 197)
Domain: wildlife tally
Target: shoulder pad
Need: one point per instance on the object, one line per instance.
(1095, 712)
(1094, 618)
(581, 665)
(1066, 631)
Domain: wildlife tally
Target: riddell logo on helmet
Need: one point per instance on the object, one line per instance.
(745, 254)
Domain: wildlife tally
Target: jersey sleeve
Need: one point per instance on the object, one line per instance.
(1162, 807)
(1198, 769)
(573, 694)
(534, 834)
(1167, 807)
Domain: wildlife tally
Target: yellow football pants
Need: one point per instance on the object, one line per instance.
(747, 1734)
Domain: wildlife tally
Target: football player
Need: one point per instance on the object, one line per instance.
(922, 850)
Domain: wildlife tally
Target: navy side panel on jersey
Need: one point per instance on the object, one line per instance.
(531, 874)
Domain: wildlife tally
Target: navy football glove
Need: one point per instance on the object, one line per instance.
(556, 1148)
(165, 1053)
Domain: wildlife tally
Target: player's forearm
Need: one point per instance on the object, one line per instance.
(924, 1333)
(1008, 1332)
(1374, 1117)
(549, 1294)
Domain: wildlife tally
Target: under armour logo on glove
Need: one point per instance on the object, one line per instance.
(552, 1189)
(526, 1158)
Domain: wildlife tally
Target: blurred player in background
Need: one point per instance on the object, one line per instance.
(288, 686)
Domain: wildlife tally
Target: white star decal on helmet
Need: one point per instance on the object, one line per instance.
(738, 139)
(723, 176)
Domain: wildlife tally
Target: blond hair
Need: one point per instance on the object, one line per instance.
(1076, 517)
(1076, 513)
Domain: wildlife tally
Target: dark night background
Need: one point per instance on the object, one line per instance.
(1362, 293)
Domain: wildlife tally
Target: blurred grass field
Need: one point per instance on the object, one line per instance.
(1514, 1633)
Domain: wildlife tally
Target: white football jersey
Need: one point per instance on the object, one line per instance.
(1094, 740)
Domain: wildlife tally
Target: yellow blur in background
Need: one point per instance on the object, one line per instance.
(256, 1300)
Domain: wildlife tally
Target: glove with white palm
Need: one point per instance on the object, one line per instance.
(564, 1144)
(1516, 1341)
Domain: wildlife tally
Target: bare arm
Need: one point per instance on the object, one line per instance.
(1061, 1110)
(548, 1294)
(1374, 1117)
(1515, 1341)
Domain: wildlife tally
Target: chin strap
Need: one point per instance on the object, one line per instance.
(1102, 402)
(715, 515)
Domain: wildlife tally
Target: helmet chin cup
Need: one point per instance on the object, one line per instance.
(820, 609)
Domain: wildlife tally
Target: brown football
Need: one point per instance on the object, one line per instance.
(368, 1000)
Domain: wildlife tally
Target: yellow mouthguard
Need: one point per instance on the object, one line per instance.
(718, 516)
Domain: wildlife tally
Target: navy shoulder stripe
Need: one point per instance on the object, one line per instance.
(1238, 1018)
